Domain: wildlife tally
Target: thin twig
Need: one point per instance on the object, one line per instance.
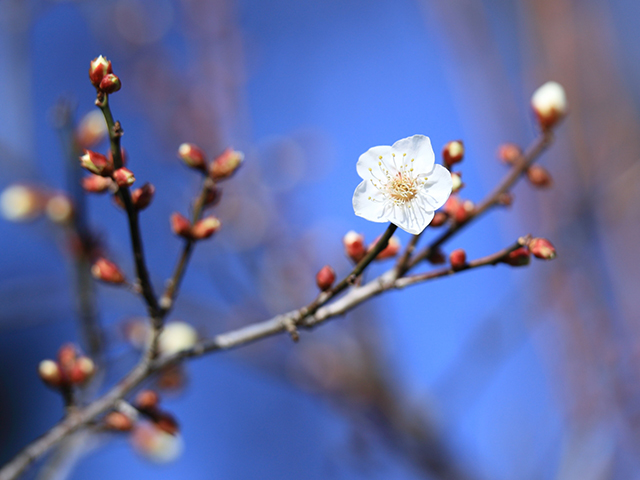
(226, 341)
(115, 132)
(173, 284)
(519, 168)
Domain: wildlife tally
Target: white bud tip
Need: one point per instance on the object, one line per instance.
(351, 237)
(550, 99)
(456, 182)
(184, 149)
(47, 368)
(456, 149)
(177, 336)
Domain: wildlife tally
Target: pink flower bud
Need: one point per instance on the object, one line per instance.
(452, 153)
(459, 210)
(67, 356)
(205, 228)
(193, 156)
(354, 246)
(98, 68)
(180, 225)
(458, 259)
(118, 421)
(96, 163)
(325, 278)
(439, 219)
(390, 251)
(107, 271)
(96, 184)
(124, 177)
(50, 373)
(92, 129)
(518, 258)
(542, 248)
(539, 176)
(549, 103)
(226, 164)
(147, 400)
(141, 197)
(82, 370)
(509, 153)
(110, 84)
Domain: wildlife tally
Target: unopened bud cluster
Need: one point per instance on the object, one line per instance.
(147, 402)
(355, 247)
(102, 76)
(70, 369)
(221, 168)
(538, 247)
(202, 229)
(458, 209)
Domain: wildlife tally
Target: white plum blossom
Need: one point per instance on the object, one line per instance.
(401, 184)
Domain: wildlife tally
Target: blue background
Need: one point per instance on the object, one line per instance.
(303, 88)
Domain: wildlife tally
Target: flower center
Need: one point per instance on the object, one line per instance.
(401, 188)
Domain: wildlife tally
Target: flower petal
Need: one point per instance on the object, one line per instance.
(371, 160)
(417, 148)
(411, 219)
(369, 202)
(438, 187)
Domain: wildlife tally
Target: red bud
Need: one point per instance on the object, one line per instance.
(193, 156)
(354, 246)
(118, 421)
(124, 177)
(390, 251)
(110, 84)
(542, 248)
(96, 183)
(180, 225)
(452, 153)
(509, 153)
(98, 68)
(439, 219)
(458, 259)
(539, 176)
(96, 163)
(147, 400)
(141, 197)
(226, 164)
(107, 271)
(83, 369)
(205, 228)
(325, 278)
